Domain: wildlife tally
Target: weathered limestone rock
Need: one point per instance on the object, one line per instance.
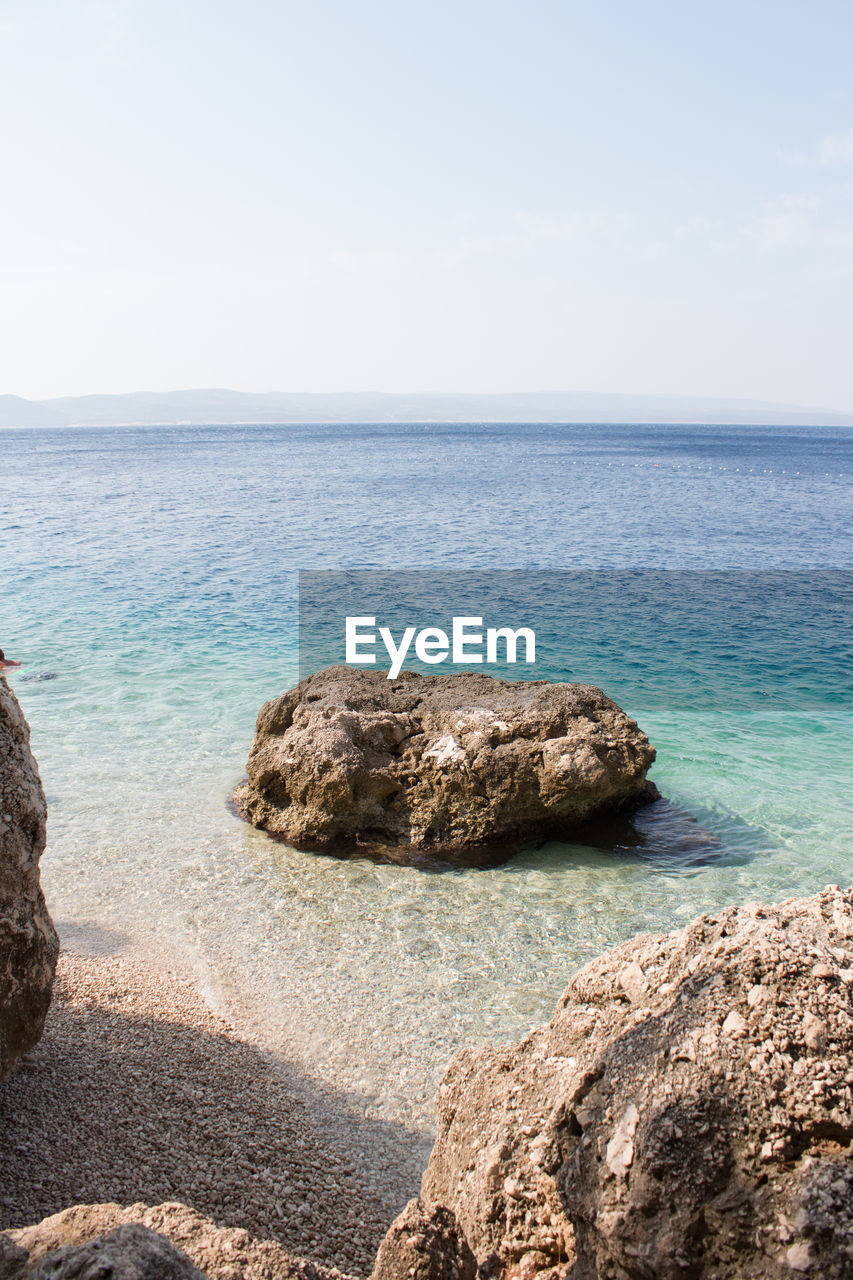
(28, 942)
(459, 768)
(424, 1244)
(688, 1112)
(197, 1243)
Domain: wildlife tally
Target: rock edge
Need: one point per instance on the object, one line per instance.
(28, 943)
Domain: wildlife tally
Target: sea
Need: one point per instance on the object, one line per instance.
(150, 584)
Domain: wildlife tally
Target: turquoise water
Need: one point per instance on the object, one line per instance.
(149, 587)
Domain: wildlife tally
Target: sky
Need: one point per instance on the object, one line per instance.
(459, 195)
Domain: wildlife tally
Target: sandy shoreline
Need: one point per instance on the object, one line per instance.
(138, 1092)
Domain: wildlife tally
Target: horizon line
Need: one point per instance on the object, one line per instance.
(223, 406)
(546, 391)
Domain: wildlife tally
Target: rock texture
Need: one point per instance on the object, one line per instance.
(13, 1259)
(130, 1252)
(686, 1114)
(458, 768)
(166, 1242)
(28, 942)
(424, 1244)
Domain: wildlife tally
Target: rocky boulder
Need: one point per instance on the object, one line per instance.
(457, 768)
(687, 1113)
(131, 1252)
(28, 942)
(164, 1241)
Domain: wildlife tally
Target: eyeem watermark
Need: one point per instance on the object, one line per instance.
(465, 643)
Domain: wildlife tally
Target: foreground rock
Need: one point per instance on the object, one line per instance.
(28, 942)
(130, 1252)
(424, 1244)
(166, 1242)
(686, 1113)
(459, 768)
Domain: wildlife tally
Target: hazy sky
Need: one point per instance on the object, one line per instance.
(459, 195)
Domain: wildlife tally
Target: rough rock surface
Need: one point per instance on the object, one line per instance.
(13, 1259)
(686, 1113)
(460, 768)
(28, 942)
(424, 1244)
(196, 1246)
(131, 1252)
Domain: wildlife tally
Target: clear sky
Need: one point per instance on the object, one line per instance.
(466, 195)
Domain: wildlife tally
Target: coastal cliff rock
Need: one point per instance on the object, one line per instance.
(28, 941)
(457, 768)
(687, 1113)
(137, 1240)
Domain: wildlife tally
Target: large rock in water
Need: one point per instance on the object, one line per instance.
(28, 942)
(459, 768)
(686, 1115)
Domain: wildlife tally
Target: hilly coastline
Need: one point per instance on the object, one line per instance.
(224, 407)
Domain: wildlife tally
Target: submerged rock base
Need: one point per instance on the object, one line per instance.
(460, 768)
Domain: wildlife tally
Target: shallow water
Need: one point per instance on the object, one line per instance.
(149, 587)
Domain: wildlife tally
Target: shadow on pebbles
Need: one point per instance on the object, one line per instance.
(137, 1092)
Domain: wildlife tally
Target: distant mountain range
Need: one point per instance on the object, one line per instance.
(232, 407)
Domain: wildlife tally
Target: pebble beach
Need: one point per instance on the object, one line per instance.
(138, 1092)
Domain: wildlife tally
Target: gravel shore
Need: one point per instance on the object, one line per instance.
(137, 1092)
